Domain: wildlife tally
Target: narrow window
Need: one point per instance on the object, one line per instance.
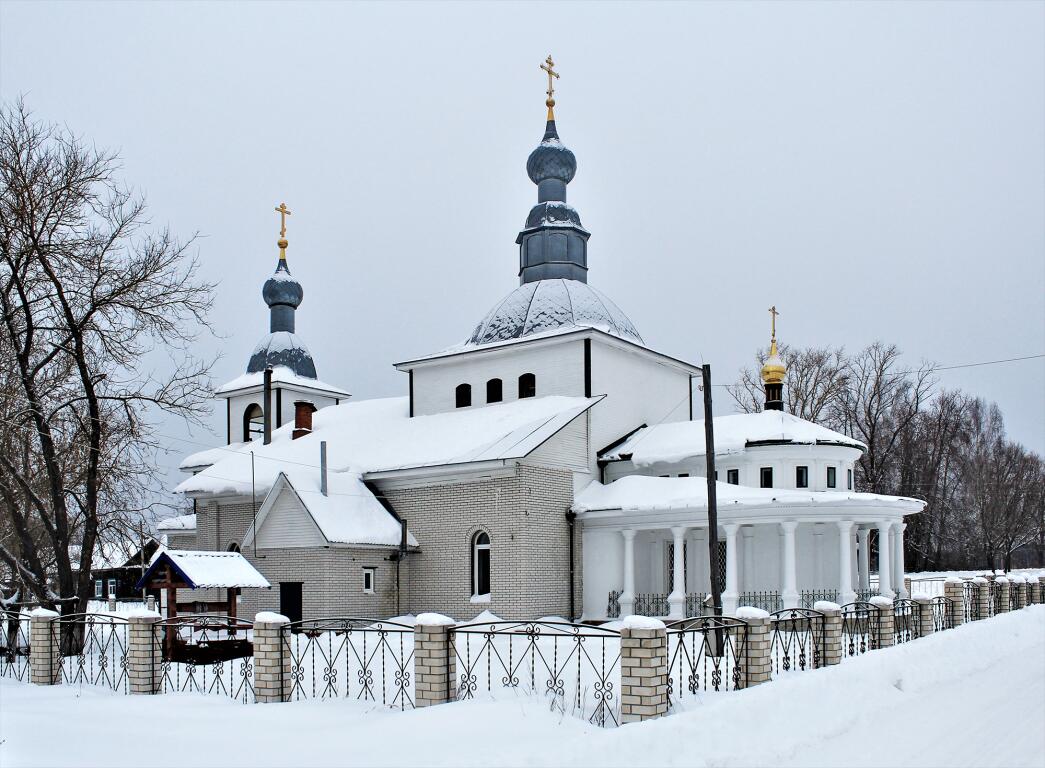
(664, 475)
(733, 476)
(480, 564)
(766, 476)
(849, 478)
(493, 391)
(463, 395)
(830, 477)
(253, 422)
(99, 587)
(527, 385)
(686, 474)
(112, 587)
(801, 477)
(368, 580)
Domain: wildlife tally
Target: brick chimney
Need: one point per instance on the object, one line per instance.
(303, 410)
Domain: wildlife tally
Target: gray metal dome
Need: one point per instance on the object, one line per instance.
(548, 305)
(282, 348)
(551, 160)
(282, 288)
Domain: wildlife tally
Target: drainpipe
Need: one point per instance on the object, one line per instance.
(323, 467)
(267, 411)
(571, 518)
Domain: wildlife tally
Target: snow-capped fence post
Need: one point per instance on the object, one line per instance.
(954, 591)
(44, 654)
(1002, 584)
(886, 620)
(1021, 600)
(1034, 594)
(643, 669)
(924, 620)
(758, 653)
(435, 662)
(983, 598)
(272, 681)
(832, 653)
(144, 653)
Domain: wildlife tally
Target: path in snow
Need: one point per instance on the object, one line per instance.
(974, 696)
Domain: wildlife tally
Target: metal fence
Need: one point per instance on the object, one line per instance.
(943, 613)
(656, 604)
(704, 654)
(350, 658)
(905, 621)
(575, 665)
(205, 653)
(798, 639)
(970, 604)
(861, 622)
(14, 646)
(93, 650)
(811, 597)
(863, 595)
(1014, 596)
(993, 598)
(767, 601)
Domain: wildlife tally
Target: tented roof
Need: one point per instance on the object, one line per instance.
(204, 570)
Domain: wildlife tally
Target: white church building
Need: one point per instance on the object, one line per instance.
(550, 464)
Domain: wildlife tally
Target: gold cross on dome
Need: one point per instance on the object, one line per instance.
(549, 67)
(283, 212)
(773, 313)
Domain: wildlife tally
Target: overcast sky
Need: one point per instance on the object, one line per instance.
(876, 170)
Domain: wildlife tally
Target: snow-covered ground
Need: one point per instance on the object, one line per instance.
(973, 696)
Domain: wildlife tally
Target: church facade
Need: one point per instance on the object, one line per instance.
(549, 465)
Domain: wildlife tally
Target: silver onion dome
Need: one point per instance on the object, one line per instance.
(549, 305)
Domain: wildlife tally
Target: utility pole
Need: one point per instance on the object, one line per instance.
(709, 451)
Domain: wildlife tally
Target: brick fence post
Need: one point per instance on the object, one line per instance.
(886, 620)
(907, 585)
(435, 662)
(272, 681)
(44, 654)
(758, 661)
(982, 608)
(1021, 601)
(923, 606)
(1041, 589)
(1003, 595)
(954, 590)
(144, 653)
(832, 652)
(1033, 591)
(643, 669)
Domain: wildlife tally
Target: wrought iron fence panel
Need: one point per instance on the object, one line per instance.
(1014, 596)
(905, 621)
(942, 611)
(14, 651)
(798, 639)
(352, 658)
(861, 622)
(652, 604)
(864, 595)
(970, 604)
(811, 597)
(767, 601)
(93, 650)
(205, 653)
(706, 652)
(577, 665)
(697, 603)
(613, 607)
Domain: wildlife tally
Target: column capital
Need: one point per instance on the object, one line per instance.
(845, 526)
(731, 528)
(863, 533)
(628, 533)
(678, 531)
(789, 526)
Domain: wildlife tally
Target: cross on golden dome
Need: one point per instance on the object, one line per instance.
(549, 67)
(283, 212)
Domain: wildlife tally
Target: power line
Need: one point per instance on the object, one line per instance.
(986, 362)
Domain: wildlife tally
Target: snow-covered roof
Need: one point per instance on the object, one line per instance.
(639, 493)
(203, 570)
(681, 440)
(280, 375)
(348, 514)
(208, 456)
(179, 523)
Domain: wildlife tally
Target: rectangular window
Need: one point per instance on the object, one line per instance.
(368, 580)
(733, 476)
(686, 474)
(112, 587)
(99, 587)
(831, 477)
(849, 478)
(801, 477)
(766, 477)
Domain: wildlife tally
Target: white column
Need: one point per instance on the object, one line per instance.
(863, 556)
(898, 574)
(819, 582)
(885, 585)
(789, 594)
(845, 562)
(731, 593)
(627, 597)
(677, 598)
(748, 578)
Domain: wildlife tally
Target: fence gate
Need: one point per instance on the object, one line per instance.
(860, 627)
(798, 639)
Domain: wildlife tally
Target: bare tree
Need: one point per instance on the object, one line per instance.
(813, 385)
(86, 292)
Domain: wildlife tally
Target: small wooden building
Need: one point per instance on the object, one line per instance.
(175, 569)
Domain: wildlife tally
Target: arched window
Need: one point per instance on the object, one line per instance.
(253, 422)
(463, 395)
(493, 391)
(481, 564)
(527, 385)
(233, 547)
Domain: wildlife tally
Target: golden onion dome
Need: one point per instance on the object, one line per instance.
(773, 371)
